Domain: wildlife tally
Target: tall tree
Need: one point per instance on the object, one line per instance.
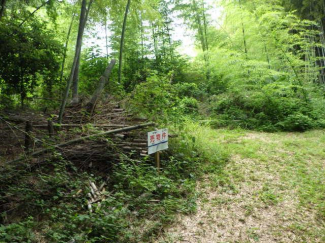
(73, 78)
(195, 15)
(66, 48)
(82, 24)
(122, 40)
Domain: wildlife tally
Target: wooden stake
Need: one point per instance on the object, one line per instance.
(50, 128)
(28, 138)
(157, 159)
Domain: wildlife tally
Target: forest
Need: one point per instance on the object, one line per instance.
(240, 85)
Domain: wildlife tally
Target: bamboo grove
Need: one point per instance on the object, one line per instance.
(259, 65)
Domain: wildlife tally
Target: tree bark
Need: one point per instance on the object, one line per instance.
(199, 24)
(106, 38)
(244, 34)
(74, 65)
(66, 48)
(202, 32)
(122, 40)
(82, 23)
(206, 54)
(154, 36)
(75, 83)
(102, 82)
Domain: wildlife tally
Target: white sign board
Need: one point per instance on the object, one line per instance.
(157, 140)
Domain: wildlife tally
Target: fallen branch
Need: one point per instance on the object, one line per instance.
(81, 125)
(102, 82)
(58, 146)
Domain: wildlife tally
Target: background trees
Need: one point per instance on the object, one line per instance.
(258, 66)
(29, 59)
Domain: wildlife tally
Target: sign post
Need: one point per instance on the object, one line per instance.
(157, 159)
(157, 141)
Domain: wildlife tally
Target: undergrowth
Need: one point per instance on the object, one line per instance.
(47, 202)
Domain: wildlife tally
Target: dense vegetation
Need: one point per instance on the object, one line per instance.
(260, 65)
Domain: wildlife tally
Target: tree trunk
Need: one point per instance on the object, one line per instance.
(3, 8)
(244, 34)
(82, 24)
(244, 40)
(206, 54)
(199, 24)
(75, 83)
(122, 40)
(106, 37)
(205, 26)
(66, 48)
(202, 31)
(142, 38)
(102, 82)
(154, 36)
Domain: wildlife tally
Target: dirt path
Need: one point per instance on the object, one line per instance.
(258, 197)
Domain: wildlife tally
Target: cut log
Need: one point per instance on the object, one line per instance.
(133, 144)
(133, 148)
(73, 141)
(140, 140)
(81, 125)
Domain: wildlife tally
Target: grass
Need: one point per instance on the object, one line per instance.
(245, 180)
(271, 179)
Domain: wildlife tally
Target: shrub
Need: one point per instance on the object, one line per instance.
(155, 98)
(187, 90)
(189, 105)
(297, 122)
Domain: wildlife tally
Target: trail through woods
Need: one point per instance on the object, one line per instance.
(270, 191)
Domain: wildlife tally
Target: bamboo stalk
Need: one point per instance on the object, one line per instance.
(58, 146)
(80, 125)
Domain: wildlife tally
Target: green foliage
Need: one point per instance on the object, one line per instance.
(92, 67)
(187, 90)
(262, 72)
(155, 98)
(297, 122)
(29, 58)
(189, 105)
(18, 232)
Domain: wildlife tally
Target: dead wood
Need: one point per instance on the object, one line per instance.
(102, 82)
(73, 141)
(81, 125)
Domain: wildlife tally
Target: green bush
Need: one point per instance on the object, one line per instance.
(156, 98)
(18, 232)
(187, 90)
(189, 105)
(297, 122)
(266, 111)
